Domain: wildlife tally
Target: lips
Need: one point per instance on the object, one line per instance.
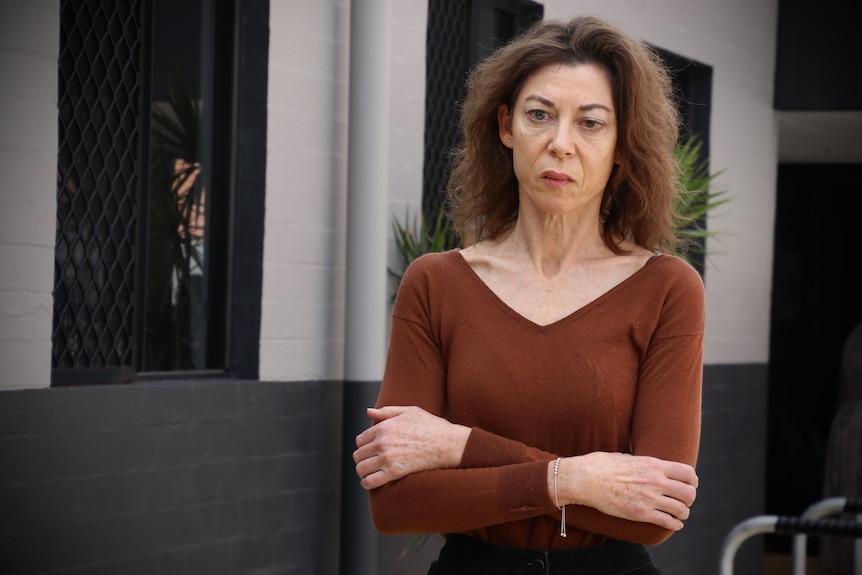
(553, 177)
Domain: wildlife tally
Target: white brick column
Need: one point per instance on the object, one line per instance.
(29, 48)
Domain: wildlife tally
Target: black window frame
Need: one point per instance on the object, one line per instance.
(692, 85)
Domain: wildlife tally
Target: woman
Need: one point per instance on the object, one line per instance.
(541, 400)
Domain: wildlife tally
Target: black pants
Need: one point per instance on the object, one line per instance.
(468, 556)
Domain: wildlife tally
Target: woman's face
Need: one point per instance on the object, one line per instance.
(563, 134)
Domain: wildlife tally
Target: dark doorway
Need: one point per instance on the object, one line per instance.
(815, 304)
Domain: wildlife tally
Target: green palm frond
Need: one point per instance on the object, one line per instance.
(698, 196)
(417, 237)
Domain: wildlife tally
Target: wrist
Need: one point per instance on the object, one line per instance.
(460, 437)
(554, 486)
(563, 481)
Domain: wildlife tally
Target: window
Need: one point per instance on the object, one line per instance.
(692, 84)
(460, 34)
(187, 191)
(97, 173)
(146, 176)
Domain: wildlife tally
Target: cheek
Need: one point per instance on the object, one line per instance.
(602, 157)
(518, 164)
(522, 167)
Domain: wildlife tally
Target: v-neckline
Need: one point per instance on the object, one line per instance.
(574, 313)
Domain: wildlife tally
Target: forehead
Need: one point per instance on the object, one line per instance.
(567, 83)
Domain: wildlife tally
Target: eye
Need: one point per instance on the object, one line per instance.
(538, 115)
(591, 125)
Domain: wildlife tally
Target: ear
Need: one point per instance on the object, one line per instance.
(504, 121)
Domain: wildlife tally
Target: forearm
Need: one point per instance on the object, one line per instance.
(487, 449)
(454, 500)
(594, 521)
(589, 519)
(636, 498)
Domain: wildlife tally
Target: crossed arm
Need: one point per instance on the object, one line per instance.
(408, 440)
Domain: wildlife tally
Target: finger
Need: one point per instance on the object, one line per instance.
(373, 414)
(665, 520)
(682, 492)
(366, 467)
(673, 523)
(675, 508)
(363, 453)
(681, 472)
(366, 437)
(375, 480)
(378, 414)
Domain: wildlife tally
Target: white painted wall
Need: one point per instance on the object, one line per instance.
(737, 38)
(29, 47)
(303, 273)
(407, 137)
(302, 332)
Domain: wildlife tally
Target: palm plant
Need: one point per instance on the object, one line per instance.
(696, 198)
(417, 237)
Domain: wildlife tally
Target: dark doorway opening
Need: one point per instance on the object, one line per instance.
(815, 304)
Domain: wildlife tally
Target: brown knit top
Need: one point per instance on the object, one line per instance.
(621, 374)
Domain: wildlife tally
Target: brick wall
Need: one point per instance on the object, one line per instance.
(171, 477)
(302, 324)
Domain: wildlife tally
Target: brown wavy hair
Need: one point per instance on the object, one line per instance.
(638, 202)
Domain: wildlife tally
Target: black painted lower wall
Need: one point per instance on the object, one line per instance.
(216, 477)
(731, 468)
(245, 477)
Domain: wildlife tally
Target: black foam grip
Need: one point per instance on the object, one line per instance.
(797, 526)
(853, 505)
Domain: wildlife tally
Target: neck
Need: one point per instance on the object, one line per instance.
(556, 243)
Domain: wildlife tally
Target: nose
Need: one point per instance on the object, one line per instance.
(563, 142)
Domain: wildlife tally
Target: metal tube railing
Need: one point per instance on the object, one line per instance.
(819, 510)
(782, 525)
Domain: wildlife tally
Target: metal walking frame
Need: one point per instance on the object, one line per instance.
(798, 526)
(819, 510)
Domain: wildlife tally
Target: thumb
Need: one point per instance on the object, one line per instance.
(378, 414)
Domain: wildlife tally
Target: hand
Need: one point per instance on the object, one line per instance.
(404, 440)
(637, 488)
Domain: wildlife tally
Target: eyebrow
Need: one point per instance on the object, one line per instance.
(583, 108)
